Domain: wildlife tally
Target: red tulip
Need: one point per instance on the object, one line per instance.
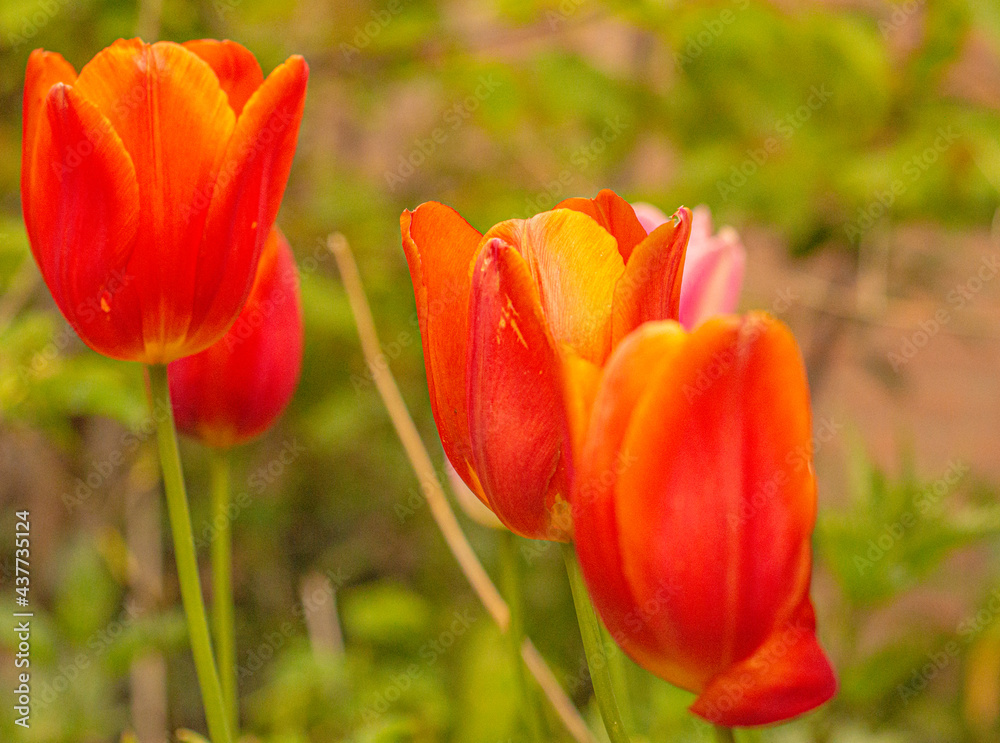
(501, 313)
(694, 499)
(149, 183)
(235, 389)
(713, 267)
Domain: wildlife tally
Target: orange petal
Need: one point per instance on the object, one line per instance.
(787, 675)
(575, 265)
(708, 515)
(235, 389)
(82, 216)
(238, 71)
(251, 183)
(632, 365)
(731, 410)
(581, 379)
(45, 69)
(615, 215)
(650, 288)
(440, 249)
(173, 117)
(516, 417)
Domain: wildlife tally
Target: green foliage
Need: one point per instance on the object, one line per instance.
(896, 533)
(791, 120)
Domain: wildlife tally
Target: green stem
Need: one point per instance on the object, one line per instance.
(184, 554)
(619, 677)
(725, 735)
(590, 631)
(222, 585)
(513, 593)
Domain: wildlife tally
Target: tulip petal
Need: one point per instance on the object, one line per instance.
(251, 183)
(713, 271)
(238, 71)
(45, 69)
(650, 288)
(516, 416)
(581, 379)
(615, 215)
(641, 356)
(651, 217)
(707, 512)
(174, 120)
(235, 389)
(788, 675)
(441, 248)
(82, 216)
(575, 265)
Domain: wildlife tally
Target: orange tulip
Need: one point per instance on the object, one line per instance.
(149, 183)
(235, 389)
(501, 313)
(694, 499)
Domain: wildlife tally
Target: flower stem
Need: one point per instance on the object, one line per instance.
(184, 554)
(513, 592)
(593, 646)
(618, 671)
(440, 509)
(724, 735)
(222, 585)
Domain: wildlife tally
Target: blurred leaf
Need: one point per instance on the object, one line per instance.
(385, 614)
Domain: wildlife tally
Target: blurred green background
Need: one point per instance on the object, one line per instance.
(854, 144)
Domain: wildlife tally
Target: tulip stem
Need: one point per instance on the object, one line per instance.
(593, 646)
(619, 677)
(725, 735)
(441, 511)
(222, 585)
(185, 556)
(513, 592)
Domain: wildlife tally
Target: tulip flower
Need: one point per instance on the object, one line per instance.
(235, 389)
(694, 498)
(149, 183)
(713, 267)
(501, 313)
